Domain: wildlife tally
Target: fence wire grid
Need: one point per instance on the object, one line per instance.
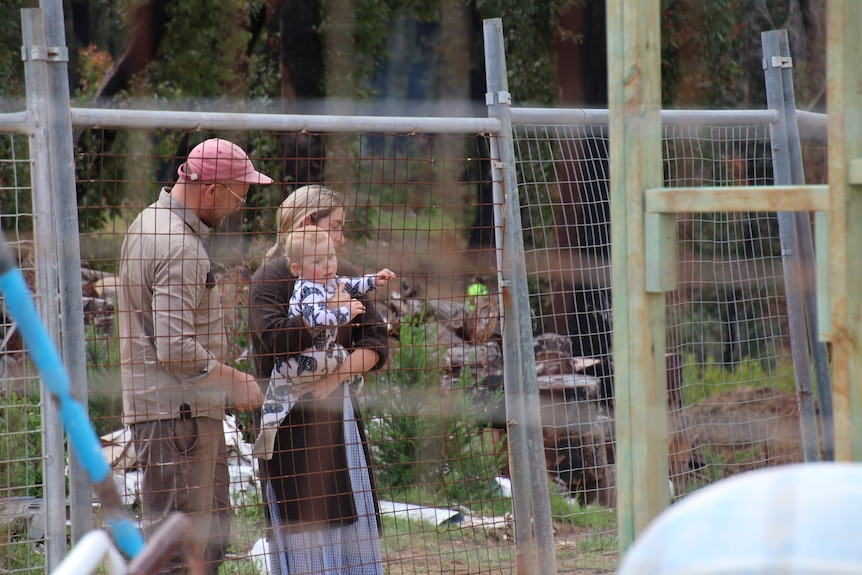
(22, 512)
(434, 416)
(732, 401)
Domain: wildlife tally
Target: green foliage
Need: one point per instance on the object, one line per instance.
(105, 399)
(18, 555)
(711, 51)
(400, 424)
(529, 29)
(11, 65)
(15, 183)
(247, 527)
(21, 446)
(702, 381)
(426, 444)
(213, 41)
(98, 176)
(600, 544)
(93, 64)
(593, 517)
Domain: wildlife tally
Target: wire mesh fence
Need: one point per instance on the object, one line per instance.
(434, 416)
(22, 512)
(731, 396)
(431, 414)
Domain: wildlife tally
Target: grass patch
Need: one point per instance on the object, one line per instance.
(21, 446)
(593, 517)
(702, 381)
(247, 527)
(428, 548)
(19, 557)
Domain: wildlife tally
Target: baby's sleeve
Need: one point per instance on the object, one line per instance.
(359, 286)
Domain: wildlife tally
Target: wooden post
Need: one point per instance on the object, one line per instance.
(634, 93)
(844, 86)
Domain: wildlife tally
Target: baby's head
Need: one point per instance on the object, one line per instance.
(311, 253)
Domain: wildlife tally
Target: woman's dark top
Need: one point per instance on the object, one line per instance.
(308, 470)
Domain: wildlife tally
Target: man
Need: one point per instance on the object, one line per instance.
(173, 347)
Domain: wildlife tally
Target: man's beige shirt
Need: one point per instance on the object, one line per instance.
(172, 329)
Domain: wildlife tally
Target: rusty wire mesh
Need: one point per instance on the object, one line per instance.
(434, 417)
(432, 414)
(731, 396)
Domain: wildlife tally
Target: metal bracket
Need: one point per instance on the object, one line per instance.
(854, 171)
(503, 97)
(778, 62)
(498, 165)
(45, 53)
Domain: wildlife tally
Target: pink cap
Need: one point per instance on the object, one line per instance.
(218, 160)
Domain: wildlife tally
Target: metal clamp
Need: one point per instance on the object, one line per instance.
(45, 53)
(778, 62)
(503, 97)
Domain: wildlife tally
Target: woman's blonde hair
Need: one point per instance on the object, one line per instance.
(314, 202)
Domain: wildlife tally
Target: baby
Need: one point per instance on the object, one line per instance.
(312, 259)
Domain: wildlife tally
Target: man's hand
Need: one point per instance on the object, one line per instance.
(245, 395)
(242, 390)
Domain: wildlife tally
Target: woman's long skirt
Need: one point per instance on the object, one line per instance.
(333, 550)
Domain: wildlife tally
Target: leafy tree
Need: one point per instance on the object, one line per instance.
(11, 67)
(218, 51)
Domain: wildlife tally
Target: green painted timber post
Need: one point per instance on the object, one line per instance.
(643, 260)
(844, 89)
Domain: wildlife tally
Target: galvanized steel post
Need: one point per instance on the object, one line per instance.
(36, 78)
(531, 495)
(774, 65)
(68, 250)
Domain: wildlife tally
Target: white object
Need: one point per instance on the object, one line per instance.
(260, 556)
(505, 485)
(433, 515)
(802, 519)
(93, 550)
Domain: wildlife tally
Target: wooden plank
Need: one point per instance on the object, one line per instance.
(737, 199)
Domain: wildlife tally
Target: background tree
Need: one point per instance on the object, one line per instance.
(215, 52)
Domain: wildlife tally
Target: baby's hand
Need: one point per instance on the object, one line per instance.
(356, 308)
(339, 299)
(384, 276)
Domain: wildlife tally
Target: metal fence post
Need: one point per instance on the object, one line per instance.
(794, 273)
(36, 77)
(527, 461)
(68, 251)
(819, 353)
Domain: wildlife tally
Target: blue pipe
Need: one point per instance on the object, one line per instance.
(44, 355)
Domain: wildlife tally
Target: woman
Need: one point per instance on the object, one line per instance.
(318, 488)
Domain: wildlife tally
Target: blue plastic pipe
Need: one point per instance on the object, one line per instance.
(78, 428)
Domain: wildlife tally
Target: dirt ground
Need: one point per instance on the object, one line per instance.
(746, 427)
(738, 430)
